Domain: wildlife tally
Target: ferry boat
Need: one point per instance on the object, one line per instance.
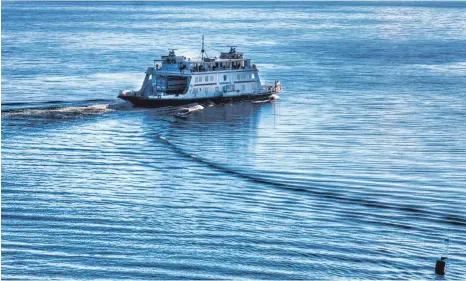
(180, 80)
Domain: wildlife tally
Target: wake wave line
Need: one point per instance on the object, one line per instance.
(51, 102)
(428, 215)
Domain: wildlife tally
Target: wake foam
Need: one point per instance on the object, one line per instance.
(120, 105)
(186, 110)
(33, 103)
(58, 112)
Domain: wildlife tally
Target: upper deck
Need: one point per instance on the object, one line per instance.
(229, 61)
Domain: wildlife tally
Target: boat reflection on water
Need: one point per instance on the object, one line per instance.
(227, 133)
(233, 119)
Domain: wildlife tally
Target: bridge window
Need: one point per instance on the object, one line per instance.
(211, 78)
(207, 78)
(225, 77)
(197, 79)
(237, 77)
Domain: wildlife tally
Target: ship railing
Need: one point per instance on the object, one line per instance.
(209, 69)
(275, 88)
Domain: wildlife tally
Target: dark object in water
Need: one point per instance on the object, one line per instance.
(440, 266)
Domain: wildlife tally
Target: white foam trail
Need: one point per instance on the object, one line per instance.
(186, 110)
(260, 101)
(120, 105)
(61, 112)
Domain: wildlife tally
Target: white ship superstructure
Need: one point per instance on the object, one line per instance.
(179, 80)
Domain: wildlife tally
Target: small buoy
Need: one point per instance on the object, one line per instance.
(440, 266)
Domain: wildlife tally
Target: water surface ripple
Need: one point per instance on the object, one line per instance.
(357, 171)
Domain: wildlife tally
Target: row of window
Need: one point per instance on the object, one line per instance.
(244, 76)
(206, 90)
(206, 79)
(239, 77)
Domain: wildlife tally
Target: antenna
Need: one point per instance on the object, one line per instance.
(202, 50)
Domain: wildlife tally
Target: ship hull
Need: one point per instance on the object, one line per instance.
(144, 102)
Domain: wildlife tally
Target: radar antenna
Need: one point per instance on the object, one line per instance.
(233, 49)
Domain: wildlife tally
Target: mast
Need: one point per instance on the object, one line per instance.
(202, 50)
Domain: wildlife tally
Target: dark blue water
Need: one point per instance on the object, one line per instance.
(358, 170)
